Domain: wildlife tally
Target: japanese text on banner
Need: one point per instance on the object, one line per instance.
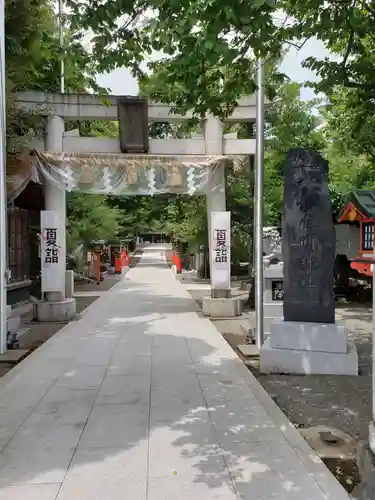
(51, 253)
(220, 250)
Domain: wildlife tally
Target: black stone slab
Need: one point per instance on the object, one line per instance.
(308, 239)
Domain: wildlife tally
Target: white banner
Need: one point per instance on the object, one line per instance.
(220, 250)
(52, 254)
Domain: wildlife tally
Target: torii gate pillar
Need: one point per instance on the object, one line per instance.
(55, 306)
(220, 304)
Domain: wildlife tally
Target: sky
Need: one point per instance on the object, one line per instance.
(121, 82)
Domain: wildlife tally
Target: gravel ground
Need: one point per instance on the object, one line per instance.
(343, 402)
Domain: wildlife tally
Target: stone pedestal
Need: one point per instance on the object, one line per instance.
(273, 294)
(69, 284)
(222, 307)
(48, 311)
(308, 349)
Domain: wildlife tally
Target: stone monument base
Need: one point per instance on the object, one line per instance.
(222, 308)
(308, 349)
(271, 312)
(46, 311)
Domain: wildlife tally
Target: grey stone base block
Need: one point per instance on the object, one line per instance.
(248, 350)
(218, 293)
(274, 271)
(308, 336)
(273, 309)
(308, 362)
(221, 308)
(45, 311)
(267, 322)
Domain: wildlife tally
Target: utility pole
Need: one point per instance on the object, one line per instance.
(258, 205)
(3, 193)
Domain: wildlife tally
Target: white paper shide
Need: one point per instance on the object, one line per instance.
(52, 258)
(220, 250)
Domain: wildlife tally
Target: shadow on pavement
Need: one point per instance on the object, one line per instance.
(143, 395)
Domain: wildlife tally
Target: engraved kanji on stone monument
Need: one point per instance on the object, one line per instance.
(308, 239)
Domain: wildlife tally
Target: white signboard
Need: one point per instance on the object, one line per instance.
(220, 250)
(52, 255)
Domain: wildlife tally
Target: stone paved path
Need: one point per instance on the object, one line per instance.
(143, 399)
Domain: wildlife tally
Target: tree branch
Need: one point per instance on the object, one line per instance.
(298, 46)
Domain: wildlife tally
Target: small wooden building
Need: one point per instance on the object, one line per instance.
(357, 217)
(25, 201)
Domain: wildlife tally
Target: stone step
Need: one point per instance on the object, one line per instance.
(13, 356)
(248, 350)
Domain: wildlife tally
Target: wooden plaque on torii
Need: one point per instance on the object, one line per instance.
(133, 124)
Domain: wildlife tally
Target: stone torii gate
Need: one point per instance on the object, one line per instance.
(132, 162)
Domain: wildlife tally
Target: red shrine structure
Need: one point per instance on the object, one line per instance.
(359, 213)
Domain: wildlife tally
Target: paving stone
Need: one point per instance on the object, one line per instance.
(63, 408)
(127, 389)
(243, 423)
(200, 488)
(114, 425)
(10, 422)
(111, 463)
(187, 453)
(130, 364)
(142, 385)
(34, 464)
(30, 492)
(102, 489)
(81, 377)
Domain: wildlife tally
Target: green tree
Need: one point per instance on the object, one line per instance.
(207, 65)
(349, 129)
(33, 62)
(90, 219)
(350, 123)
(346, 28)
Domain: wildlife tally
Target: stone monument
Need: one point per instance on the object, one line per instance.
(308, 239)
(307, 340)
